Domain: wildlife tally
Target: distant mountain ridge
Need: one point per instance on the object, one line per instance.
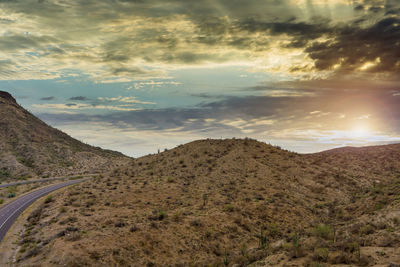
(29, 147)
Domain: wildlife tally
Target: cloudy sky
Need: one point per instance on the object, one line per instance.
(141, 75)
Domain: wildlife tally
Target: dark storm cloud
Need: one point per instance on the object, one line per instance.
(353, 46)
(18, 42)
(8, 69)
(111, 37)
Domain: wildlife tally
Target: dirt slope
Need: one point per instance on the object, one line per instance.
(29, 147)
(227, 202)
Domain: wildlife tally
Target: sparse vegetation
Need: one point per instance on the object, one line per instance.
(48, 199)
(324, 231)
(33, 149)
(262, 239)
(224, 202)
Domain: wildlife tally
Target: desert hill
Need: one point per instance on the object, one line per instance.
(29, 147)
(226, 203)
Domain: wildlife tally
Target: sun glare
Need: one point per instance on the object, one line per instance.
(360, 131)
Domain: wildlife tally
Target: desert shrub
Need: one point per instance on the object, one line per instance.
(205, 198)
(226, 259)
(1, 201)
(352, 247)
(4, 173)
(321, 254)
(177, 216)
(73, 236)
(316, 264)
(119, 224)
(162, 215)
(210, 233)
(28, 162)
(274, 230)
(94, 255)
(196, 223)
(295, 249)
(377, 190)
(324, 231)
(48, 199)
(71, 219)
(262, 239)
(366, 230)
(379, 206)
(133, 228)
(229, 208)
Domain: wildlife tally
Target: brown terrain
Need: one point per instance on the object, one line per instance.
(30, 148)
(225, 203)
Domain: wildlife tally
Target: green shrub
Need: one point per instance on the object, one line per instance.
(295, 249)
(226, 259)
(48, 199)
(162, 215)
(4, 173)
(262, 239)
(378, 206)
(274, 230)
(205, 197)
(229, 208)
(352, 247)
(324, 231)
(296, 241)
(321, 254)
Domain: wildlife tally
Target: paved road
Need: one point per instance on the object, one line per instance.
(10, 212)
(30, 182)
(41, 180)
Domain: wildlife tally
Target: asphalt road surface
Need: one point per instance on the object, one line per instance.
(10, 212)
(36, 181)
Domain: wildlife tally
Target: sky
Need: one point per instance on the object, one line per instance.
(141, 75)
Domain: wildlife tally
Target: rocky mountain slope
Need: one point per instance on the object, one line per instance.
(226, 203)
(30, 148)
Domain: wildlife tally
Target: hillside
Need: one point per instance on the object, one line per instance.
(30, 148)
(226, 202)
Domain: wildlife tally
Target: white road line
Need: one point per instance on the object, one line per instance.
(14, 213)
(32, 198)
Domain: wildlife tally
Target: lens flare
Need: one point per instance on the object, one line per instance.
(360, 131)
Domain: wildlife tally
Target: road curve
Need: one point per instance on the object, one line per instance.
(10, 212)
(31, 181)
(42, 180)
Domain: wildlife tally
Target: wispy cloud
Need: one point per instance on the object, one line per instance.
(152, 84)
(74, 106)
(49, 98)
(79, 98)
(126, 99)
(310, 123)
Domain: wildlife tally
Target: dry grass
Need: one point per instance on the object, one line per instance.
(226, 202)
(30, 148)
